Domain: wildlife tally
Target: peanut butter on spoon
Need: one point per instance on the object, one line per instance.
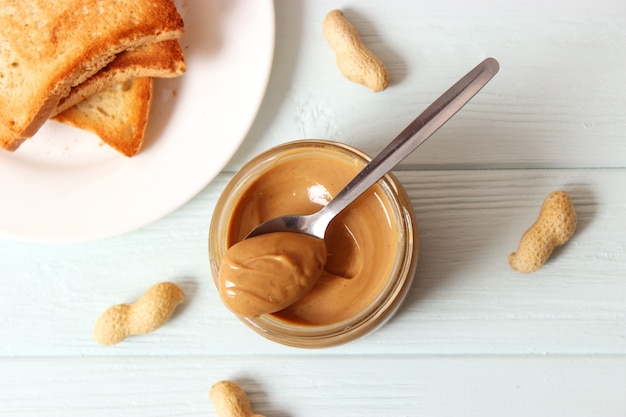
(270, 272)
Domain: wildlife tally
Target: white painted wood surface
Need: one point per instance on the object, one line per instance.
(474, 338)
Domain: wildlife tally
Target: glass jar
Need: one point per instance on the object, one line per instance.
(399, 233)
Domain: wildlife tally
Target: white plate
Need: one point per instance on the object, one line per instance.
(63, 185)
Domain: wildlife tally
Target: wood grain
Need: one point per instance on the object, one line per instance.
(404, 385)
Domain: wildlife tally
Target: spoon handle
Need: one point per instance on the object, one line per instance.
(427, 123)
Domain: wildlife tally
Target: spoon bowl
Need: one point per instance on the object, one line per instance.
(416, 133)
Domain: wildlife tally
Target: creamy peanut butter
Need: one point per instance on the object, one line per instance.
(269, 272)
(361, 242)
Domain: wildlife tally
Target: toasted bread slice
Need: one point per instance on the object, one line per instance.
(47, 47)
(118, 114)
(159, 59)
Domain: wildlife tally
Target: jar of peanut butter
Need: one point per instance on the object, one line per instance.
(372, 246)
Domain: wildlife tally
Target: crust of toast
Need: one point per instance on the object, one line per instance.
(160, 60)
(47, 47)
(118, 114)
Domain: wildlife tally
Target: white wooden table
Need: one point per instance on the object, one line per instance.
(474, 338)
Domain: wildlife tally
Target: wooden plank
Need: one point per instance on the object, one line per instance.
(557, 102)
(404, 385)
(465, 299)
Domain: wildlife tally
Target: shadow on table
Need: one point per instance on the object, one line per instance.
(258, 398)
(190, 286)
(286, 56)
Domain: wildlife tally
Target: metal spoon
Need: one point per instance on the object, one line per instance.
(427, 123)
